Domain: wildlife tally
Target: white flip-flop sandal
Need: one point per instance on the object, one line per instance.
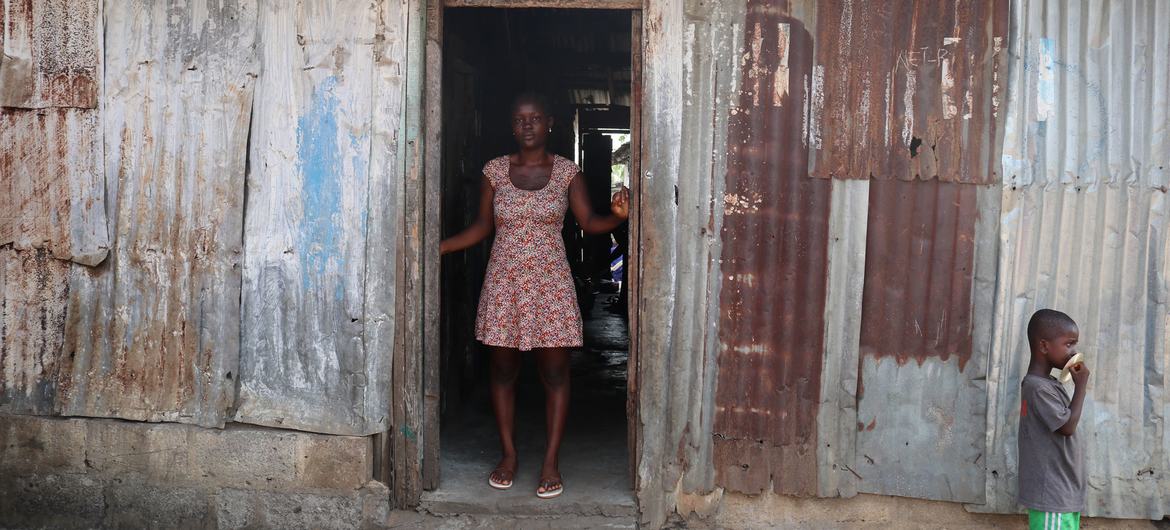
(500, 485)
(550, 494)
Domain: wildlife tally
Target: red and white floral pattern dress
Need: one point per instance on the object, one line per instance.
(528, 299)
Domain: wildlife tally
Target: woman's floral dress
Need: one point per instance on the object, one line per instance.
(528, 299)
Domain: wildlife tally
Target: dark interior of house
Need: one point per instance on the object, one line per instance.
(580, 61)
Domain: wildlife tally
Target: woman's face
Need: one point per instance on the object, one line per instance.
(530, 125)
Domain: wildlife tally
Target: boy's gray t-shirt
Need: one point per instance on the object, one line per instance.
(1052, 465)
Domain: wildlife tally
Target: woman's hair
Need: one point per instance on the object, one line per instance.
(533, 98)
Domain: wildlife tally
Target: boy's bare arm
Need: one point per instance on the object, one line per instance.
(1080, 375)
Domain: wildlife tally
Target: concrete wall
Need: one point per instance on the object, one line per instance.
(68, 472)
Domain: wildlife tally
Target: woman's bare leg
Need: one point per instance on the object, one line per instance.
(553, 364)
(504, 366)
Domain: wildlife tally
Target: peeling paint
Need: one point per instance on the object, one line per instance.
(780, 79)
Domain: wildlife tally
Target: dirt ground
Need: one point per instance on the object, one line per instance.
(813, 520)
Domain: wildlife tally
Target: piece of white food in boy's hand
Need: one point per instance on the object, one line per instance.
(1066, 372)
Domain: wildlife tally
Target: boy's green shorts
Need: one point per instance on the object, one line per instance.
(1053, 521)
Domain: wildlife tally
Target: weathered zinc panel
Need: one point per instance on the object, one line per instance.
(304, 364)
(773, 264)
(688, 80)
(907, 90)
(1088, 96)
(920, 395)
(50, 53)
(33, 291)
(1086, 230)
(152, 332)
(52, 208)
(52, 190)
(919, 271)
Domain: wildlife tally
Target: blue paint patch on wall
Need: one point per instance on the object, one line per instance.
(319, 158)
(360, 167)
(1046, 81)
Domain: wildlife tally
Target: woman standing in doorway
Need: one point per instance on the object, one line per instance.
(529, 301)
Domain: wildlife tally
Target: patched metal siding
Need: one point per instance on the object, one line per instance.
(907, 90)
(52, 200)
(795, 375)
(908, 94)
(1086, 230)
(920, 397)
(327, 102)
(153, 331)
(50, 158)
(773, 263)
(915, 378)
(139, 317)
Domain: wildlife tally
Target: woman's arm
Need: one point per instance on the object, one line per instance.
(590, 222)
(480, 228)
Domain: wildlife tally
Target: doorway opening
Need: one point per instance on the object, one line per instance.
(581, 60)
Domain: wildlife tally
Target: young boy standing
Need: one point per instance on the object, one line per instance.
(1051, 453)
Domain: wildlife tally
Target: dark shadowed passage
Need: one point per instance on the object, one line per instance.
(580, 60)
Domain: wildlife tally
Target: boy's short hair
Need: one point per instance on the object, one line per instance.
(1046, 324)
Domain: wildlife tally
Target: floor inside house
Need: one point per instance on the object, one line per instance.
(593, 455)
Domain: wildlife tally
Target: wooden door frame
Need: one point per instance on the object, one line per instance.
(413, 467)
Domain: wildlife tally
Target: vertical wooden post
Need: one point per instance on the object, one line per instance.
(633, 269)
(407, 367)
(432, 232)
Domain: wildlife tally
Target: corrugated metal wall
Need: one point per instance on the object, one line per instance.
(52, 211)
(304, 363)
(687, 81)
(917, 370)
(909, 382)
(774, 254)
(809, 344)
(1086, 229)
(142, 112)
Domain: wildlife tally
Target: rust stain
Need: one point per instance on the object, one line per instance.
(774, 263)
(919, 271)
(51, 167)
(910, 89)
(32, 326)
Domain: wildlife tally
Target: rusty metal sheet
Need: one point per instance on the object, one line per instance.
(152, 333)
(52, 194)
(1086, 230)
(774, 270)
(920, 410)
(33, 293)
(50, 53)
(908, 90)
(918, 271)
(304, 364)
